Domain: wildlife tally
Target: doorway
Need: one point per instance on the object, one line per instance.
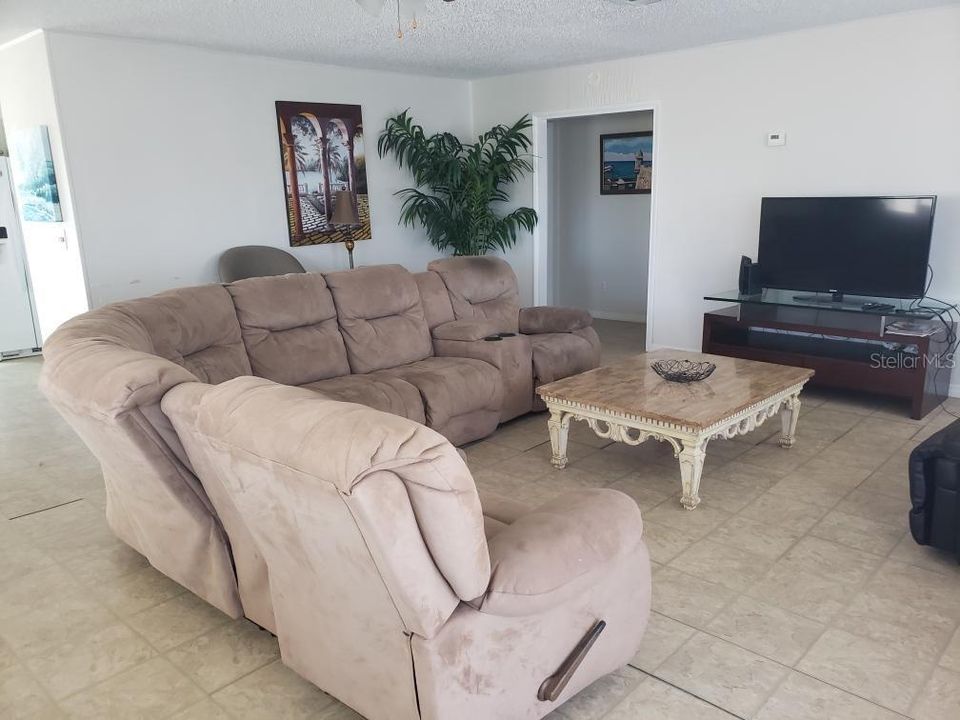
(42, 270)
(19, 327)
(593, 247)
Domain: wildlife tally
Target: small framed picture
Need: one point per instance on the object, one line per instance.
(626, 163)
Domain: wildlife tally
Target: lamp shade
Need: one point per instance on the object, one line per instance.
(344, 212)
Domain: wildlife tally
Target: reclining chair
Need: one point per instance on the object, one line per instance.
(391, 589)
(935, 490)
(482, 300)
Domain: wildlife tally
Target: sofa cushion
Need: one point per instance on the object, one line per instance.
(481, 288)
(435, 298)
(381, 317)
(375, 390)
(289, 326)
(452, 386)
(195, 327)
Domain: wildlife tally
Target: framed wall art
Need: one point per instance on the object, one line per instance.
(626, 163)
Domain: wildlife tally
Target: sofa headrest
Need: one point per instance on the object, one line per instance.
(195, 327)
(435, 298)
(289, 326)
(381, 317)
(481, 287)
(129, 353)
(348, 446)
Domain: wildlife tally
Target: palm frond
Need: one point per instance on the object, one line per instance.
(457, 184)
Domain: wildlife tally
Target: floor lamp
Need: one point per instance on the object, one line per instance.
(345, 213)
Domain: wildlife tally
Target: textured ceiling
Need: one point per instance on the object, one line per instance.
(464, 38)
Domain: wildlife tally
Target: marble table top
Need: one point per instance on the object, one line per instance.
(632, 387)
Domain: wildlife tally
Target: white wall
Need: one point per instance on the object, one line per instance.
(53, 250)
(870, 107)
(599, 244)
(174, 156)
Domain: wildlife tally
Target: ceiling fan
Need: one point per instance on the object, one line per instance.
(406, 10)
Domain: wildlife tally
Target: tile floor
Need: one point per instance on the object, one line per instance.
(792, 593)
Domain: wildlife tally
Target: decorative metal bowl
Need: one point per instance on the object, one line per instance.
(683, 371)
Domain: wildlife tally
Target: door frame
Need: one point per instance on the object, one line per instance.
(541, 200)
(16, 243)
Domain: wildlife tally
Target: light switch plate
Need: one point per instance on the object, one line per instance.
(776, 138)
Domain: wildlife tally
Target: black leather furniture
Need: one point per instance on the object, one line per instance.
(935, 490)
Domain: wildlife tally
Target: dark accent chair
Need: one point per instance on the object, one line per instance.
(935, 490)
(249, 261)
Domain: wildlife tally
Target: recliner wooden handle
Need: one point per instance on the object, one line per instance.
(551, 688)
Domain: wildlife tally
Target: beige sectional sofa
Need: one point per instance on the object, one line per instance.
(281, 447)
(393, 590)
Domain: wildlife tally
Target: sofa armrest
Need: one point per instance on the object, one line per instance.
(558, 550)
(106, 380)
(465, 330)
(546, 319)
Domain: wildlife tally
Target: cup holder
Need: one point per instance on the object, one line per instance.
(493, 338)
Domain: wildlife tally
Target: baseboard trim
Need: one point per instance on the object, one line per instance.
(623, 317)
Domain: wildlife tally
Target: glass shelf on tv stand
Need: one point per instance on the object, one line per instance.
(820, 301)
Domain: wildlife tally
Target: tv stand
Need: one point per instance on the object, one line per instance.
(834, 299)
(847, 347)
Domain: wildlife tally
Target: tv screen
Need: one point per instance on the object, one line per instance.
(875, 246)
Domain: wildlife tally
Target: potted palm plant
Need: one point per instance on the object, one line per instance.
(459, 186)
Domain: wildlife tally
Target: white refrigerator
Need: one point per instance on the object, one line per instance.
(19, 329)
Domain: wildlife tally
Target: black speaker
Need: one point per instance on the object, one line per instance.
(749, 277)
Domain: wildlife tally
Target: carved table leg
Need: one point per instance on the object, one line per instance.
(691, 468)
(559, 424)
(789, 417)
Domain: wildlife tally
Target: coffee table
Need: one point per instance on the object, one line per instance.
(628, 402)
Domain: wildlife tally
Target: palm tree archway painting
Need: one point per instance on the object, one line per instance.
(322, 153)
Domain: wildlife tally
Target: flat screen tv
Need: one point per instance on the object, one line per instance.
(874, 246)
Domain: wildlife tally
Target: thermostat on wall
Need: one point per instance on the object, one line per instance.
(776, 138)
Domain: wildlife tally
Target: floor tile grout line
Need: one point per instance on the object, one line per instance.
(882, 558)
(928, 676)
(856, 695)
(687, 692)
(158, 654)
(116, 619)
(22, 663)
(277, 658)
(789, 668)
(42, 510)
